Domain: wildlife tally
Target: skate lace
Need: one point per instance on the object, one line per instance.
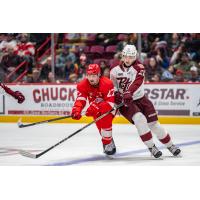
(109, 147)
(173, 148)
(154, 150)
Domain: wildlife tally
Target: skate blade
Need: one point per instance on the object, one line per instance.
(110, 157)
(160, 158)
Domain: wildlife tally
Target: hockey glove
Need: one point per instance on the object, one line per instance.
(93, 110)
(118, 98)
(128, 98)
(19, 96)
(76, 113)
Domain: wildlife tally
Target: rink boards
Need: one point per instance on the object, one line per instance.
(174, 103)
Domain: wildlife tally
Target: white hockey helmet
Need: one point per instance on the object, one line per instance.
(129, 50)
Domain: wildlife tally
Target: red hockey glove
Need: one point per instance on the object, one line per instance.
(93, 110)
(128, 98)
(118, 98)
(19, 96)
(76, 113)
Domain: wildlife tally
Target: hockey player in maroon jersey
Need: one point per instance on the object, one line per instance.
(128, 80)
(16, 94)
(99, 91)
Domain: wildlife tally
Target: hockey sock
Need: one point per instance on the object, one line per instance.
(140, 122)
(106, 135)
(161, 133)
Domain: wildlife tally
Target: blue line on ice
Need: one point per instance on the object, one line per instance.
(102, 157)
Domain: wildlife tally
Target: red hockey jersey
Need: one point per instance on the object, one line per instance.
(103, 92)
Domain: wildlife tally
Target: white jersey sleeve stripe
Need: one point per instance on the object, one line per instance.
(81, 98)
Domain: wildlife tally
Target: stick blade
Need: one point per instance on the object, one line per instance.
(27, 154)
(19, 123)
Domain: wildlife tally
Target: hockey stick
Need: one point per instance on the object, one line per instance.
(30, 155)
(20, 125)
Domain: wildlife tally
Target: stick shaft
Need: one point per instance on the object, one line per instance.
(45, 121)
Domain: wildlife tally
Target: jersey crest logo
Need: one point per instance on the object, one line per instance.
(124, 83)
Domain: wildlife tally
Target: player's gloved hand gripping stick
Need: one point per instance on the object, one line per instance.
(30, 155)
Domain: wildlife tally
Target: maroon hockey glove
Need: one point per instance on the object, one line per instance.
(128, 98)
(118, 98)
(93, 110)
(76, 113)
(19, 96)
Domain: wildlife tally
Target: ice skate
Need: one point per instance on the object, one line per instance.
(155, 152)
(109, 149)
(174, 150)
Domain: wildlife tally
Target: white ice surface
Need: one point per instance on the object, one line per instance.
(85, 148)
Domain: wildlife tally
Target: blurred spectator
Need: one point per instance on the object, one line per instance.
(69, 68)
(72, 54)
(162, 58)
(194, 75)
(72, 37)
(80, 67)
(152, 68)
(177, 53)
(179, 77)
(106, 39)
(34, 77)
(61, 60)
(122, 43)
(152, 37)
(25, 50)
(132, 38)
(46, 68)
(73, 78)
(9, 62)
(106, 72)
(3, 41)
(169, 57)
(185, 64)
(51, 78)
(103, 64)
(168, 75)
(155, 78)
(193, 46)
(11, 40)
(7, 39)
(175, 41)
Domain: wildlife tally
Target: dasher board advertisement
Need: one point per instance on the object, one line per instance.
(58, 99)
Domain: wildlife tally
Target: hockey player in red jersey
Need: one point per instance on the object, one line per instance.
(16, 94)
(99, 91)
(128, 80)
